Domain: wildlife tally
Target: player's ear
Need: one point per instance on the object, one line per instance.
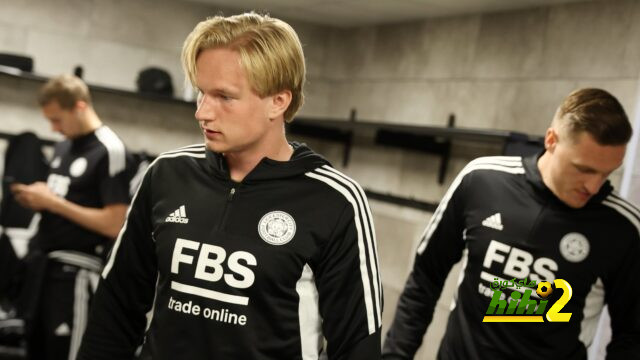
(80, 106)
(550, 140)
(279, 103)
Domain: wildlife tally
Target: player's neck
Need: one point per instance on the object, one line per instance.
(543, 167)
(242, 162)
(89, 122)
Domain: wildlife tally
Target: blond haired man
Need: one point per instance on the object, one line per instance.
(248, 246)
(83, 206)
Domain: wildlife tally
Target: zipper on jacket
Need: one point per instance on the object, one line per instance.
(227, 205)
(536, 222)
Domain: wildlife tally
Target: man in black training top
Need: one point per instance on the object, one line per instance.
(248, 246)
(83, 206)
(545, 217)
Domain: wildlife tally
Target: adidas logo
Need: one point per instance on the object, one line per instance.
(62, 330)
(494, 221)
(179, 216)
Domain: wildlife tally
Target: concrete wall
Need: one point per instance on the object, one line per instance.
(504, 70)
(114, 39)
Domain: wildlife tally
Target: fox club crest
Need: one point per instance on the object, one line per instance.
(277, 227)
(78, 167)
(574, 247)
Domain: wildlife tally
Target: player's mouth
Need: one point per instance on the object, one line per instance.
(210, 134)
(583, 195)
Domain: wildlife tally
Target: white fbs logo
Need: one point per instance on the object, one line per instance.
(277, 227)
(59, 184)
(178, 216)
(517, 263)
(213, 264)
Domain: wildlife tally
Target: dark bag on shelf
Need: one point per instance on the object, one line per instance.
(154, 81)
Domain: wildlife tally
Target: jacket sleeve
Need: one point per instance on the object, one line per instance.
(126, 290)
(441, 246)
(114, 187)
(622, 297)
(349, 289)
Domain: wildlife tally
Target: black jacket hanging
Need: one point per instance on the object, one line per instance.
(24, 163)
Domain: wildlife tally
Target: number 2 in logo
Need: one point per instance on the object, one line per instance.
(554, 314)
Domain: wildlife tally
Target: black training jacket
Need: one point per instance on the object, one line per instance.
(269, 268)
(504, 223)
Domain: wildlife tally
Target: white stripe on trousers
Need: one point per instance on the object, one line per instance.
(80, 310)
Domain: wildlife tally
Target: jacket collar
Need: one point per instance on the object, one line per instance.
(302, 160)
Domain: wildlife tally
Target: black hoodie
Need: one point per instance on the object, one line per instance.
(263, 269)
(501, 219)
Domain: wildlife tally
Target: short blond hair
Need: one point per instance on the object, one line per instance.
(269, 49)
(66, 90)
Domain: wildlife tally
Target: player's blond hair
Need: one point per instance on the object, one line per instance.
(269, 48)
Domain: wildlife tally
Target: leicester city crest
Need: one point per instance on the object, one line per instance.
(574, 247)
(78, 167)
(277, 228)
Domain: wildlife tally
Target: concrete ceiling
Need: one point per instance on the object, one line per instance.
(346, 13)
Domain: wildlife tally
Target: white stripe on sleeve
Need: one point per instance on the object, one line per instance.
(368, 227)
(115, 149)
(364, 271)
(507, 164)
